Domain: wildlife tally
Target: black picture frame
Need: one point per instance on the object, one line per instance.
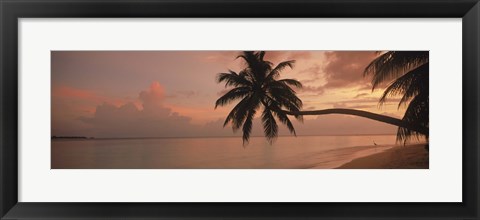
(12, 10)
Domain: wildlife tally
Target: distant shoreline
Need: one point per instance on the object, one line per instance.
(71, 138)
(136, 138)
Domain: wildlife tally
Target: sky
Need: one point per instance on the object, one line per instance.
(109, 94)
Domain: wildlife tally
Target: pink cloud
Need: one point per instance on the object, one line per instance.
(157, 119)
(127, 120)
(220, 56)
(345, 68)
(299, 55)
(316, 90)
(279, 56)
(73, 93)
(152, 98)
(85, 97)
(158, 112)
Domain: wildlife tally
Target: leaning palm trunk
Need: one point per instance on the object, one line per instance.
(258, 85)
(407, 73)
(365, 114)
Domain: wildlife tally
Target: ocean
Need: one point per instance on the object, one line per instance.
(215, 153)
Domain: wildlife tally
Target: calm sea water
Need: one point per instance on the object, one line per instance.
(228, 152)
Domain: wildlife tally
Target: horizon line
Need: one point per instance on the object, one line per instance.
(105, 138)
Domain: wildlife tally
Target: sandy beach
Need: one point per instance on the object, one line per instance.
(399, 157)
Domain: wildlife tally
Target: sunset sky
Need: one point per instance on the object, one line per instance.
(173, 93)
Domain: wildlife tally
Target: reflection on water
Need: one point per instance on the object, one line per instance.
(223, 153)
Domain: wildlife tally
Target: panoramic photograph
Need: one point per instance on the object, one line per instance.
(240, 109)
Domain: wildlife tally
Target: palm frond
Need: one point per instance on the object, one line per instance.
(408, 72)
(393, 64)
(276, 103)
(257, 84)
(285, 120)
(270, 126)
(247, 125)
(417, 113)
(292, 82)
(232, 95)
(233, 79)
(239, 109)
(281, 66)
(286, 96)
(260, 55)
(408, 85)
(241, 116)
(258, 67)
(248, 56)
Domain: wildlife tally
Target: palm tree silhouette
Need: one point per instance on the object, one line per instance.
(408, 72)
(258, 85)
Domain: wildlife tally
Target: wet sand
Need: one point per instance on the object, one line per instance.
(336, 157)
(399, 157)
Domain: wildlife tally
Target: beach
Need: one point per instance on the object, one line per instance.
(400, 157)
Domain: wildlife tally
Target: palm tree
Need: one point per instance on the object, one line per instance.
(258, 86)
(407, 73)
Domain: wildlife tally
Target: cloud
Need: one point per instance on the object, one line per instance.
(187, 93)
(343, 125)
(361, 95)
(73, 93)
(128, 120)
(317, 90)
(314, 71)
(297, 55)
(339, 105)
(360, 103)
(370, 104)
(83, 96)
(279, 56)
(70, 103)
(154, 119)
(345, 68)
(153, 97)
(220, 56)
